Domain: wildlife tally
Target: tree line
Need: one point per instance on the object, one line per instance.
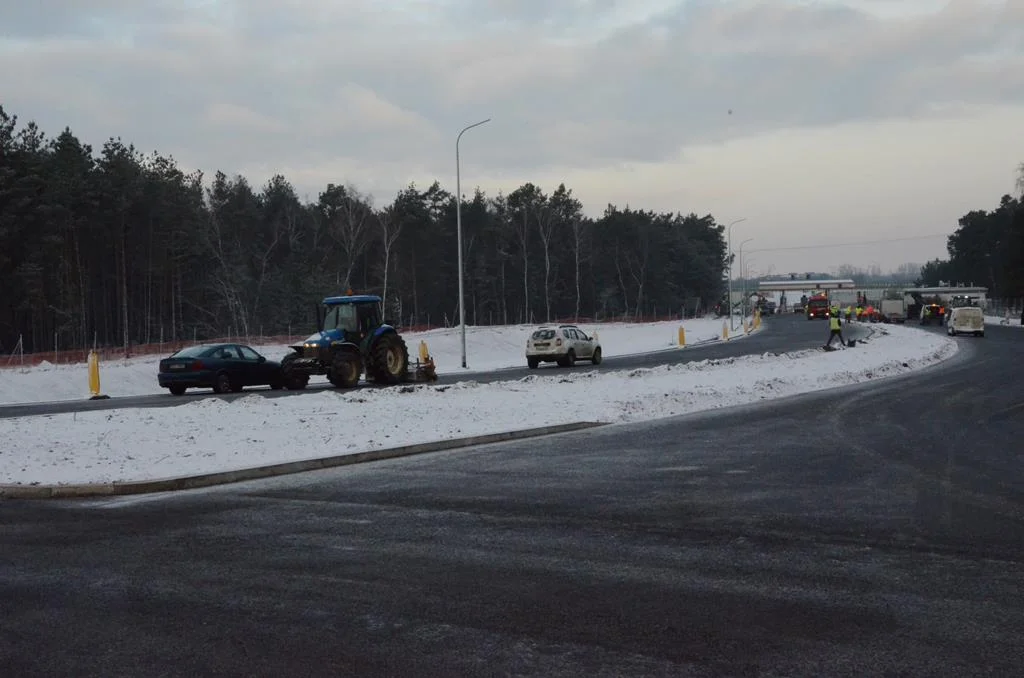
(120, 248)
(987, 249)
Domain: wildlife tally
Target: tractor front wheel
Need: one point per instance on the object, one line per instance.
(389, 359)
(293, 379)
(345, 370)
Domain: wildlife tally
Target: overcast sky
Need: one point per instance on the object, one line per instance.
(851, 120)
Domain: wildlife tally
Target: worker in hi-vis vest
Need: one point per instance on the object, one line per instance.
(835, 330)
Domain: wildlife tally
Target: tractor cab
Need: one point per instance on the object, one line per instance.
(350, 319)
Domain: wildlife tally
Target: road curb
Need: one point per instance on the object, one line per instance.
(286, 468)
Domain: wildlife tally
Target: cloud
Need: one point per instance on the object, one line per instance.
(376, 91)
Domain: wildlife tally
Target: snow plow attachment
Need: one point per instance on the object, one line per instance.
(423, 369)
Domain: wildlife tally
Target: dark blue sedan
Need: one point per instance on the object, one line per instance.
(226, 368)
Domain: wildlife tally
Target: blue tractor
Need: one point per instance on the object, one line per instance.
(351, 338)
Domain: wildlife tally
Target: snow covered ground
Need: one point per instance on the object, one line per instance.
(211, 435)
(1012, 321)
(487, 348)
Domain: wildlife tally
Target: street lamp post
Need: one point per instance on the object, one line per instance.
(729, 303)
(743, 274)
(458, 236)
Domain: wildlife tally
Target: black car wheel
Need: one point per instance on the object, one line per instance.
(223, 383)
(176, 390)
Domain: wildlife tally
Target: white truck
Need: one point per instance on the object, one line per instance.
(893, 311)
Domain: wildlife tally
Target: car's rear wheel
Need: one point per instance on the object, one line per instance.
(222, 384)
(532, 363)
(596, 359)
(176, 390)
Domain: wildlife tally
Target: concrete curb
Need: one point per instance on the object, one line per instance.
(226, 477)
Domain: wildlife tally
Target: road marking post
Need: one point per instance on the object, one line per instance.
(725, 331)
(682, 336)
(94, 376)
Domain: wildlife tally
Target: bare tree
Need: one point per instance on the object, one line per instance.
(348, 221)
(546, 225)
(223, 277)
(390, 225)
(1020, 179)
(262, 260)
(504, 237)
(522, 233)
(637, 260)
(565, 211)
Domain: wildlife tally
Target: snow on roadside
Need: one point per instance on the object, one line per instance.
(212, 435)
(487, 348)
(1012, 321)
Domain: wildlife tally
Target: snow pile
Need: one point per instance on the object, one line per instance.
(487, 348)
(212, 435)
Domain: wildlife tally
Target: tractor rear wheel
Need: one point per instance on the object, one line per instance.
(389, 359)
(293, 379)
(345, 370)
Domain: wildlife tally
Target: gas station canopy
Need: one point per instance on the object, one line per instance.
(804, 285)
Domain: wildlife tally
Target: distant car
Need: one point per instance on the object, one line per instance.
(966, 319)
(563, 345)
(223, 367)
(930, 312)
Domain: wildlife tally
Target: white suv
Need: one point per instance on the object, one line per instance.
(564, 345)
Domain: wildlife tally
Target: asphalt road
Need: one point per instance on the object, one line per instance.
(873, 531)
(779, 334)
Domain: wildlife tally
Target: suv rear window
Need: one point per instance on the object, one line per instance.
(544, 334)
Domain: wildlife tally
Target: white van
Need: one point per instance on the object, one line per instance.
(966, 319)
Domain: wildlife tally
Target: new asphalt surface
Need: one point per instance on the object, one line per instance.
(871, 531)
(776, 338)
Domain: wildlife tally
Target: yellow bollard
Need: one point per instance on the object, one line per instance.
(424, 353)
(725, 331)
(94, 376)
(682, 336)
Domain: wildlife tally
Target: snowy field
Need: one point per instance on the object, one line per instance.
(487, 348)
(210, 435)
(1012, 321)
